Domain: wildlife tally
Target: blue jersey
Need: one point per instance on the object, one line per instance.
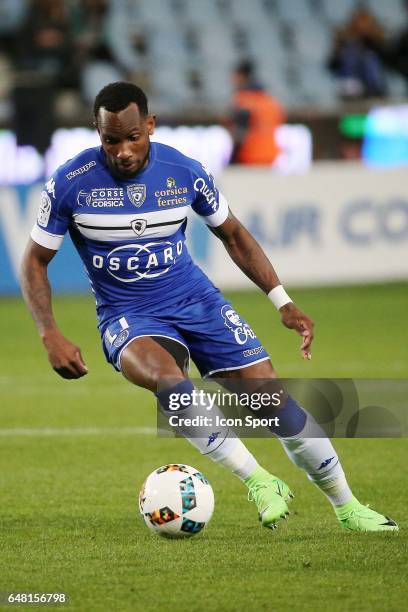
(130, 233)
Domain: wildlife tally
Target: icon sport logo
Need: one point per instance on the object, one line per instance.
(137, 194)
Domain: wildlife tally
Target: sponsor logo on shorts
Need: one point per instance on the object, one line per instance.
(172, 195)
(232, 320)
(102, 197)
(80, 170)
(50, 187)
(44, 210)
(122, 337)
(137, 194)
(253, 351)
(201, 186)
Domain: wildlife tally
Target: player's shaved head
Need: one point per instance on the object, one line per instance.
(115, 97)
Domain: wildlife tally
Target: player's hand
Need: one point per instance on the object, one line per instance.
(293, 318)
(65, 357)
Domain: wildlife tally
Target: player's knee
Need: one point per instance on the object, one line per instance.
(157, 378)
(165, 378)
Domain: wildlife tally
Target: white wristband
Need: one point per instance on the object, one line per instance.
(279, 297)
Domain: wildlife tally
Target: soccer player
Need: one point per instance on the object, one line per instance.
(125, 205)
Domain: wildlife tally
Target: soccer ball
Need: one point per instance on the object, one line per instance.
(176, 500)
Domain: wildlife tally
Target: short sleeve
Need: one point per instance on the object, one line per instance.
(209, 202)
(53, 216)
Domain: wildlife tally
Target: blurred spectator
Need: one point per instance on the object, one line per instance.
(44, 63)
(255, 117)
(12, 15)
(96, 65)
(88, 18)
(358, 55)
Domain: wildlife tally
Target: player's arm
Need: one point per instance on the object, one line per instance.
(245, 251)
(64, 356)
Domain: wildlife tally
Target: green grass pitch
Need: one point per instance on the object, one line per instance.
(69, 516)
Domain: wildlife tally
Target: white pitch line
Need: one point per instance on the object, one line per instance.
(78, 431)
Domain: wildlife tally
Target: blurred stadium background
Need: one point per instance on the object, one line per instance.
(331, 209)
(333, 198)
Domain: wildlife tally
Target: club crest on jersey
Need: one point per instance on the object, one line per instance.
(138, 226)
(137, 194)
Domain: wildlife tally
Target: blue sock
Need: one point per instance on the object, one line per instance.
(292, 419)
(165, 395)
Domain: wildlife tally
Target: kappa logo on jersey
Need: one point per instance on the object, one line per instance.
(44, 210)
(138, 226)
(50, 187)
(241, 330)
(80, 170)
(137, 194)
(102, 197)
(129, 263)
(201, 186)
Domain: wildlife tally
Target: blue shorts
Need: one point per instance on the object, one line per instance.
(214, 336)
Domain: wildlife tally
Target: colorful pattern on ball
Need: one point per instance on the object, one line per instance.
(176, 500)
(188, 495)
(172, 467)
(190, 526)
(201, 477)
(162, 516)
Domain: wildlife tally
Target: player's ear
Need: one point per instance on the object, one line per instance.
(151, 123)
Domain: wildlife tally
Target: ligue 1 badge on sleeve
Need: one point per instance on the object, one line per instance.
(44, 210)
(137, 194)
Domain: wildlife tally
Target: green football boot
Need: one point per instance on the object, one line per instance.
(271, 496)
(353, 516)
